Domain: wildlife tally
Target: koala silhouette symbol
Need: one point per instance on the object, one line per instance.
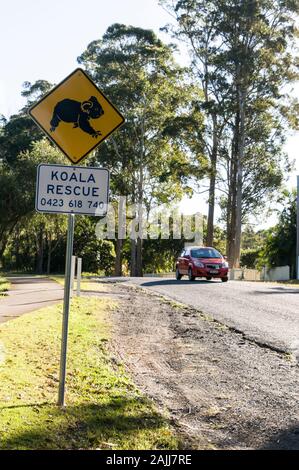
(79, 114)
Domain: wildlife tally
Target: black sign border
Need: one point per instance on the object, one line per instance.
(49, 135)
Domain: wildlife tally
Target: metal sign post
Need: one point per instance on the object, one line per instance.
(70, 190)
(66, 307)
(77, 117)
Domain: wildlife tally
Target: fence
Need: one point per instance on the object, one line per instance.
(280, 273)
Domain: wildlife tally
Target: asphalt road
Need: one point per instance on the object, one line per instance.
(267, 313)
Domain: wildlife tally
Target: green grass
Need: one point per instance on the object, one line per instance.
(104, 409)
(85, 285)
(4, 286)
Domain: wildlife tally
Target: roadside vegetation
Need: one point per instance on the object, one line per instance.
(4, 286)
(216, 127)
(86, 285)
(104, 408)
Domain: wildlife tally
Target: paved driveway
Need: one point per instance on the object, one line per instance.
(28, 294)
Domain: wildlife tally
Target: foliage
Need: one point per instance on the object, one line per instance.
(160, 255)
(225, 118)
(160, 146)
(97, 255)
(219, 239)
(163, 124)
(4, 285)
(280, 244)
(19, 132)
(244, 53)
(17, 187)
(33, 243)
(251, 239)
(36, 242)
(249, 258)
(252, 243)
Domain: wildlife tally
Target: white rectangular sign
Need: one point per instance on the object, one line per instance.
(72, 190)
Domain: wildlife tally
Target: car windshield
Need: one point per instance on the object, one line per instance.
(205, 253)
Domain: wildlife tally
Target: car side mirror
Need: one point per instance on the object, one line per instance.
(225, 257)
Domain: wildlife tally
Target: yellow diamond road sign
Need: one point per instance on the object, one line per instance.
(76, 116)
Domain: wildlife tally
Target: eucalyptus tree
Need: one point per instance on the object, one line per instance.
(160, 146)
(195, 26)
(19, 131)
(252, 43)
(258, 37)
(17, 187)
(279, 245)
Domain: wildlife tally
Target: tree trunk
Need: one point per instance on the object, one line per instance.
(118, 259)
(139, 245)
(210, 227)
(234, 228)
(49, 254)
(121, 235)
(40, 251)
(3, 243)
(231, 229)
(238, 230)
(139, 265)
(232, 197)
(4, 236)
(133, 258)
(17, 248)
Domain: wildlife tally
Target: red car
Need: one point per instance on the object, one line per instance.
(197, 261)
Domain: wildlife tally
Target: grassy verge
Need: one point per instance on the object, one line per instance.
(85, 285)
(105, 411)
(4, 286)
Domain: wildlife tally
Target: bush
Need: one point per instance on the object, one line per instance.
(249, 258)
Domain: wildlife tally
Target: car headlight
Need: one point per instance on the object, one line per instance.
(198, 264)
(225, 264)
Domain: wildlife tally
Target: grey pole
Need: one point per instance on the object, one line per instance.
(297, 244)
(66, 307)
(73, 269)
(79, 271)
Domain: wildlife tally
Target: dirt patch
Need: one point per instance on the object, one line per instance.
(219, 390)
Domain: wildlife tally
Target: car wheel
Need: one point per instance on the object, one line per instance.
(190, 275)
(208, 278)
(224, 279)
(178, 276)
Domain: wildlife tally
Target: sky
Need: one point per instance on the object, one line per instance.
(41, 39)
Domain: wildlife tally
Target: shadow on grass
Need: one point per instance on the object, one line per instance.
(32, 405)
(86, 426)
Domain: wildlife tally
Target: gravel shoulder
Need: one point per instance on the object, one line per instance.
(219, 389)
(265, 312)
